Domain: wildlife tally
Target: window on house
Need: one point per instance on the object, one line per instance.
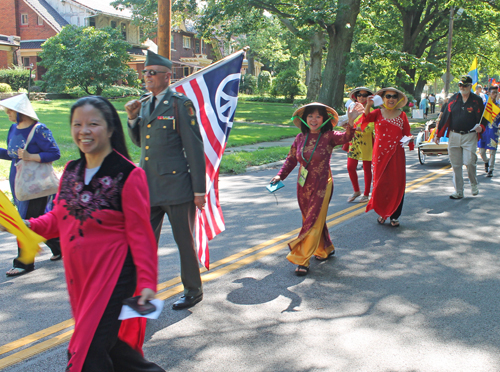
(186, 42)
(124, 31)
(197, 46)
(91, 22)
(186, 71)
(26, 61)
(24, 19)
(113, 24)
(172, 45)
(39, 21)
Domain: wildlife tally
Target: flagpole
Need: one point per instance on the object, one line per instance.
(210, 67)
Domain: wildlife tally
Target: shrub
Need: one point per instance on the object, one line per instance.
(5, 88)
(264, 81)
(110, 92)
(16, 77)
(287, 83)
(22, 90)
(248, 84)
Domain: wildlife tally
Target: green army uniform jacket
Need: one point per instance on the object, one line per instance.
(174, 164)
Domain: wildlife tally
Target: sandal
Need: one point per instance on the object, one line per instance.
(353, 197)
(301, 270)
(19, 271)
(364, 199)
(55, 257)
(394, 223)
(325, 258)
(381, 220)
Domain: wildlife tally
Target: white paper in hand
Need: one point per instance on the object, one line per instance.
(377, 100)
(475, 126)
(405, 140)
(128, 313)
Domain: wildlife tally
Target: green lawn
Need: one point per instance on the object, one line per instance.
(264, 112)
(237, 162)
(247, 134)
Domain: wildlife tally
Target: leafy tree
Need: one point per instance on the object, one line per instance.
(88, 58)
(145, 13)
(248, 84)
(404, 42)
(264, 81)
(287, 83)
(314, 22)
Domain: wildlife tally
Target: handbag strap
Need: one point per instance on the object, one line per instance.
(30, 136)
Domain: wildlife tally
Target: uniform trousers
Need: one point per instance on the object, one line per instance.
(491, 160)
(182, 219)
(462, 150)
(107, 353)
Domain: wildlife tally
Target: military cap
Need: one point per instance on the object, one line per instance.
(154, 59)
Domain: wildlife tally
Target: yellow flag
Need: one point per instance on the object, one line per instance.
(491, 111)
(28, 241)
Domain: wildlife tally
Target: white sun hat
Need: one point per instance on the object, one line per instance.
(21, 104)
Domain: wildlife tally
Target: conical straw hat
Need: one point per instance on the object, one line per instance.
(21, 104)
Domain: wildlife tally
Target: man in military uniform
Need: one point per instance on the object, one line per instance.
(163, 124)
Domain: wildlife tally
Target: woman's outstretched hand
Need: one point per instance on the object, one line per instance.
(275, 179)
(354, 111)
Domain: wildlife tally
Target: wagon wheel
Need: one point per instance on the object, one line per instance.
(421, 156)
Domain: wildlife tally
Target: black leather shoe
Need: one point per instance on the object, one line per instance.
(186, 302)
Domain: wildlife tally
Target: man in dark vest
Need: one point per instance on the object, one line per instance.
(163, 124)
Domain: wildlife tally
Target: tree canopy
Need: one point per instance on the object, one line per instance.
(85, 57)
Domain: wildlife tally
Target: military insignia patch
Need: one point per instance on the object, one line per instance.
(190, 108)
(166, 117)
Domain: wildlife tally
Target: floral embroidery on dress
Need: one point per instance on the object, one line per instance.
(82, 201)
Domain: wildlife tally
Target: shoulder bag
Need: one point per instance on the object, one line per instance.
(33, 179)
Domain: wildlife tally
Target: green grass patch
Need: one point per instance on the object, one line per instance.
(238, 162)
(263, 112)
(248, 134)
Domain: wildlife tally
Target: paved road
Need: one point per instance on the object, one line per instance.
(422, 297)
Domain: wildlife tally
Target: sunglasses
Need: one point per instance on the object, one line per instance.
(153, 72)
(389, 96)
(464, 85)
(362, 94)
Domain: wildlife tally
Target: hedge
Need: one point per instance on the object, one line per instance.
(15, 77)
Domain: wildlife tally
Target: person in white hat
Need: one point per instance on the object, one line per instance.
(392, 131)
(360, 148)
(312, 150)
(43, 149)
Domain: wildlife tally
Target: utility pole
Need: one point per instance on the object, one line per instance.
(164, 26)
(448, 61)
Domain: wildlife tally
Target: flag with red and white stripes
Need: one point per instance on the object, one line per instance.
(214, 92)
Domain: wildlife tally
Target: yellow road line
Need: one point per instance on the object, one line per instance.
(36, 336)
(34, 350)
(354, 210)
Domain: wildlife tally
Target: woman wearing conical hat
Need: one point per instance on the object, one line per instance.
(360, 148)
(312, 150)
(43, 149)
(389, 162)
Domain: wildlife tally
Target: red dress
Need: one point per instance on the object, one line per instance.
(389, 162)
(97, 224)
(311, 195)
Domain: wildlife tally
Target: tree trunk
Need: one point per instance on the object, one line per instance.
(316, 56)
(251, 63)
(340, 35)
